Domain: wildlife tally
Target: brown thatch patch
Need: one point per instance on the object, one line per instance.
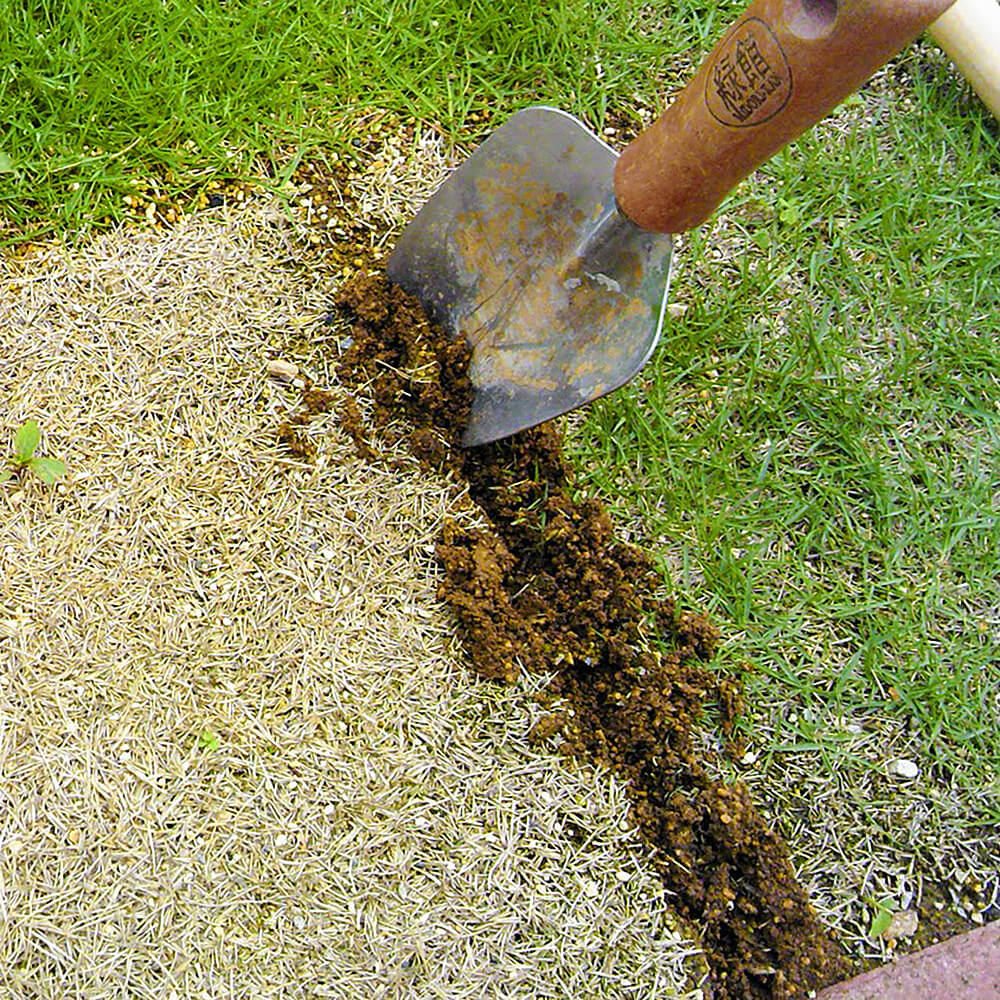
(239, 753)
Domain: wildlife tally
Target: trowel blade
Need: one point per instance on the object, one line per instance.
(523, 252)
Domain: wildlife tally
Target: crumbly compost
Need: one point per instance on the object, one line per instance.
(550, 588)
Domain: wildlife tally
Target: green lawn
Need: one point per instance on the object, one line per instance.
(94, 94)
(813, 451)
(816, 446)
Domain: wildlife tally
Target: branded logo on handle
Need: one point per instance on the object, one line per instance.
(749, 80)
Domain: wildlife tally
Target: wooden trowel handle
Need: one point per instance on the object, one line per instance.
(970, 33)
(777, 71)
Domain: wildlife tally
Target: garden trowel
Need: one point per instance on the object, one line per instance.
(550, 254)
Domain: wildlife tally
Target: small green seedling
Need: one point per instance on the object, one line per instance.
(882, 912)
(207, 740)
(25, 444)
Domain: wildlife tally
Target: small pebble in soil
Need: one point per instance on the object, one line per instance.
(903, 769)
(901, 925)
(286, 370)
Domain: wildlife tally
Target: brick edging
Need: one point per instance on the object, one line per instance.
(965, 967)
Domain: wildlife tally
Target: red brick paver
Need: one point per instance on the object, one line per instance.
(966, 967)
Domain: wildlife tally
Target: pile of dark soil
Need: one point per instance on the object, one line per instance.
(549, 587)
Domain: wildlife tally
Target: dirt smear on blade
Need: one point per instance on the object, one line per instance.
(550, 588)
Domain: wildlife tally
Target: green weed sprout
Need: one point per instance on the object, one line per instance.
(25, 444)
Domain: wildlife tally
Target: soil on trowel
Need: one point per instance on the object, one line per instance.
(549, 587)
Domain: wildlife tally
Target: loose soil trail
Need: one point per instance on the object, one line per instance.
(550, 588)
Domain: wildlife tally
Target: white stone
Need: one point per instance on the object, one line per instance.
(901, 925)
(286, 370)
(905, 770)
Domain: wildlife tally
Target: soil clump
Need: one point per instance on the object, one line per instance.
(550, 588)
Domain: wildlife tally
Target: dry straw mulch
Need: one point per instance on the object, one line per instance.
(239, 753)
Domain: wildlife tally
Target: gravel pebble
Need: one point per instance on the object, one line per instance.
(904, 769)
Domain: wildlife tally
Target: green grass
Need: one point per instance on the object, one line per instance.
(95, 94)
(813, 450)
